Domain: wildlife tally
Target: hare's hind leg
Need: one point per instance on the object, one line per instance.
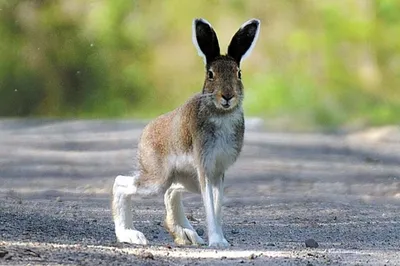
(123, 189)
(176, 221)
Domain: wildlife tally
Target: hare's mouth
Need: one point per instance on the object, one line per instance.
(227, 105)
(227, 102)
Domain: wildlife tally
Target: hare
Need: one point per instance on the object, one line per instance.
(191, 147)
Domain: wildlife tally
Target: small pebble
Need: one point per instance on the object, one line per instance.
(190, 217)
(200, 231)
(311, 243)
(3, 253)
(58, 199)
(147, 255)
(30, 252)
(252, 256)
(234, 231)
(270, 245)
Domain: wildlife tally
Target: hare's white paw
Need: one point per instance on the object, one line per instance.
(186, 236)
(218, 242)
(193, 237)
(131, 236)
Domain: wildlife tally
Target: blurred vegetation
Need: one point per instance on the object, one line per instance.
(316, 64)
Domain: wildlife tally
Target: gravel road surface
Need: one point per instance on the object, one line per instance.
(341, 190)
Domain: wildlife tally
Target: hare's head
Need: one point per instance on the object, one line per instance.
(223, 76)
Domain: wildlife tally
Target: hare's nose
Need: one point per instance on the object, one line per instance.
(227, 97)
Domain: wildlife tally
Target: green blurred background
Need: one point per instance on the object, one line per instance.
(317, 64)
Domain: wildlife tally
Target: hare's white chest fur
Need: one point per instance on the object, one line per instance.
(223, 152)
(218, 153)
(221, 149)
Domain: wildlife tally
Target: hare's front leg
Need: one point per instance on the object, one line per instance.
(123, 189)
(212, 194)
(218, 195)
(176, 221)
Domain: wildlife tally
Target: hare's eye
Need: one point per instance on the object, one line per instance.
(239, 74)
(210, 74)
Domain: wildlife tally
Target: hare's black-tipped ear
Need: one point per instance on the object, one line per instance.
(205, 39)
(243, 41)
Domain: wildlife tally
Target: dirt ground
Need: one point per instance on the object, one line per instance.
(342, 190)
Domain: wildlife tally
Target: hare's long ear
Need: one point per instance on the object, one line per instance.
(205, 39)
(244, 40)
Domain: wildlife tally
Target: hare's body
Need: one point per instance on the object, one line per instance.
(190, 148)
(175, 144)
